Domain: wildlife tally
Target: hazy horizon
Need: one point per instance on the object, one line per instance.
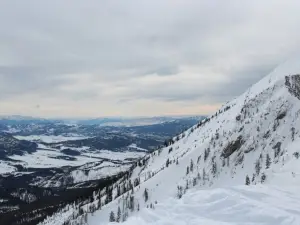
(101, 117)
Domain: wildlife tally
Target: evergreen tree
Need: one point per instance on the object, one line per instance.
(146, 196)
(223, 162)
(247, 180)
(214, 168)
(253, 178)
(108, 195)
(124, 190)
(204, 176)
(166, 143)
(257, 167)
(187, 170)
(119, 215)
(198, 160)
(112, 217)
(137, 182)
(171, 141)
(198, 176)
(131, 203)
(194, 182)
(179, 192)
(118, 191)
(192, 166)
(99, 204)
(263, 178)
(130, 186)
(125, 216)
(268, 161)
(167, 163)
(293, 133)
(187, 185)
(206, 154)
(85, 218)
(81, 212)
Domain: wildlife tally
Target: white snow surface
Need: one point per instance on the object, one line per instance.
(135, 147)
(104, 170)
(266, 121)
(50, 138)
(238, 205)
(47, 159)
(117, 155)
(6, 168)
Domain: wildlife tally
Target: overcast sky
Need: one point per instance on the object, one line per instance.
(138, 58)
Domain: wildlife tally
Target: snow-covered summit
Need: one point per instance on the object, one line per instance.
(287, 68)
(253, 141)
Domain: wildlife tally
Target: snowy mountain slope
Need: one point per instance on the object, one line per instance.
(251, 140)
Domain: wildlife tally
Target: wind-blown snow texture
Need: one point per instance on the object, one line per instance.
(256, 136)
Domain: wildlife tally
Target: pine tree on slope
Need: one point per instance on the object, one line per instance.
(119, 215)
(268, 161)
(192, 166)
(112, 217)
(247, 180)
(146, 195)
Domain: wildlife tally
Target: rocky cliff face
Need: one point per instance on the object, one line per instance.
(293, 85)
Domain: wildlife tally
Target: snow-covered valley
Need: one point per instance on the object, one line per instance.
(44, 166)
(239, 166)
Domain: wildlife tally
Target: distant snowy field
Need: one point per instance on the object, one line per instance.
(50, 158)
(6, 168)
(115, 155)
(51, 138)
(47, 157)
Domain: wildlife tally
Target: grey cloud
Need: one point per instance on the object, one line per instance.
(90, 51)
(211, 93)
(163, 71)
(16, 81)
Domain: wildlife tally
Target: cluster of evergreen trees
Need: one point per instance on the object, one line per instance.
(128, 204)
(258, 167)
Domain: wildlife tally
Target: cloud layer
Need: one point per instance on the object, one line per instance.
(137, 57)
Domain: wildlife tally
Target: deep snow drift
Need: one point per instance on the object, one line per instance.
(201, 176)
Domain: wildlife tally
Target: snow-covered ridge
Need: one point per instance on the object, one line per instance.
(251, 140)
